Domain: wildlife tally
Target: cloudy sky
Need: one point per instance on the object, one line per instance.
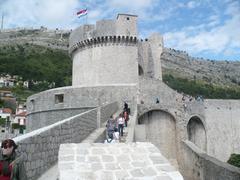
(203, 28)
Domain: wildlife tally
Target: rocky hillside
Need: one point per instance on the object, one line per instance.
(57, 39)
(180, 64)
(174, 62)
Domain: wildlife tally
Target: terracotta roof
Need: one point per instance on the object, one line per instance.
(24, 113)
(7, 110)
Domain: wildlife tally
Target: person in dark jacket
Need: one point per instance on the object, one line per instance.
(111, 124)
(11, 164)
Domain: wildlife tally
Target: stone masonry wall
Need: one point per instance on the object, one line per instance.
(222, 126)
(108, 110)
(38, 120)
(43, 110)
(199, 166)
(40, 147)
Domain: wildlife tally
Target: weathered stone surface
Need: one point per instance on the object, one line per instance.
(119, 166)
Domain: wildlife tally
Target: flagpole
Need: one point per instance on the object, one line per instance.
(2, 21)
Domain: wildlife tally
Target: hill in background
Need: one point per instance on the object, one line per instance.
(40, 55)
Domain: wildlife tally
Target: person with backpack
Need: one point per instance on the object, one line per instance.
(111, 124)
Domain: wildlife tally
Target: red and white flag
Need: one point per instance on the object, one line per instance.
(82, 12)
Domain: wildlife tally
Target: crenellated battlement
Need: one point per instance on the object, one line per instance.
(122, 31)
(104, 41)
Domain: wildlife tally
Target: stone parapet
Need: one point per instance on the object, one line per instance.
(44, 108)
(103, 41)
(40, 147)
(199, 165)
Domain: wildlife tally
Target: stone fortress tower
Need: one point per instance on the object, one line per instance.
(110, 63)
(102, 54)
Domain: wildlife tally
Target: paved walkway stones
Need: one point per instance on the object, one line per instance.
(90, 161)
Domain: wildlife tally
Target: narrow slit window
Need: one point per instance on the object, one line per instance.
(59, 98)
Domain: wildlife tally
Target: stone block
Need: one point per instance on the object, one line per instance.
(111, 166)
(136, 173)
(158, 159)
(93, 159)
(149, 171)
(82, 151)
(165, 167)
(83, 167)
(121, 174)
(105, 175)
(138, 164)
(81, 159)
(123, 158)
(66, 158)
(65, 166)
(98, 151)
(107, 158)
(96, 166)
(163, 177)
(125, 165)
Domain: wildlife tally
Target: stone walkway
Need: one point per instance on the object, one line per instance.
(90, 161)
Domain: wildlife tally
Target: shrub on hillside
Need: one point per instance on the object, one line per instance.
(194, 88)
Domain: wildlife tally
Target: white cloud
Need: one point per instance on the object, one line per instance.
(219, 39)
(192, 4)
(49, 13)
(132, 5)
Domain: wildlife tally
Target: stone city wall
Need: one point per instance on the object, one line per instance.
(40, 147)
(222, 127)
(200, 166)
(151, 89)
(44, 108)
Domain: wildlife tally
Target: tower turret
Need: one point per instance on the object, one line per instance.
(105, 53)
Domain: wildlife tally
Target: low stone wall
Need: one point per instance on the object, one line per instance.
(200, 166)
(40, 147)
(43, 118)
(44, 108)
(131, 128)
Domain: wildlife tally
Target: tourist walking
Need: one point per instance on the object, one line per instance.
(11, 164)
(111, 125)
(121, 122)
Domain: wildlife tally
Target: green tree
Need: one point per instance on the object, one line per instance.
(234, 160)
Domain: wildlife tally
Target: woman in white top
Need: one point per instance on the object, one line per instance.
(121, 123)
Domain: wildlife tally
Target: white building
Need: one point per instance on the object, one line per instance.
(20, 118)
(6, 113)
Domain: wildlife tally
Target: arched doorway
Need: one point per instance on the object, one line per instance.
(160, 129)
(196, 132)
(140, 70)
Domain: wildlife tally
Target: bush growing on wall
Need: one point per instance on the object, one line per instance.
(234, 160)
